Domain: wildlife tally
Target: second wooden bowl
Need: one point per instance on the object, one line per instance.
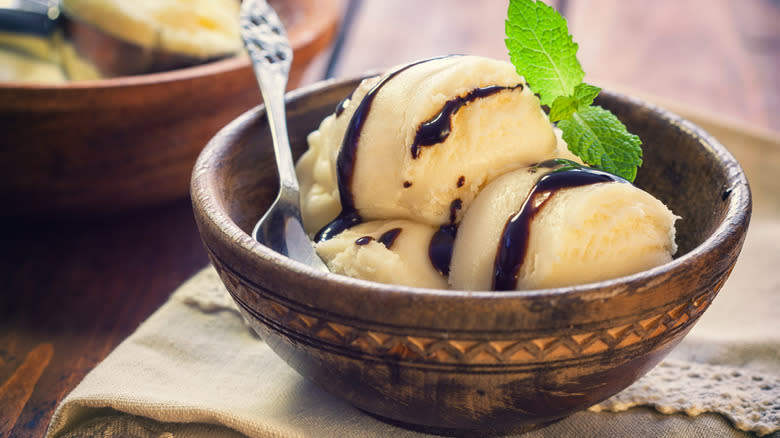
(96, 147)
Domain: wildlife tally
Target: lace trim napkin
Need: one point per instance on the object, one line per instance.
(195, 369)
(749, 398)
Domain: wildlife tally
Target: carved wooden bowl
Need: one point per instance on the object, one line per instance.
(96, 147)
(472, 361)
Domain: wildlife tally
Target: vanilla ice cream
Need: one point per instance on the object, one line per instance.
(376, 156)
(449, 150)
(559, 224)
(387, 251)
(15, 66)
(197, 28)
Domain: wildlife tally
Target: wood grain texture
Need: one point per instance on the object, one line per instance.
(16, 391)
(80, 288)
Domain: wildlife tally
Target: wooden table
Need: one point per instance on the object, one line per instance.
(71, 290)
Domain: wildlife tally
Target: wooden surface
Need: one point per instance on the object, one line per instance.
(70, 292)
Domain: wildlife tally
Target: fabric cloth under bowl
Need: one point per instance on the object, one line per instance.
(194, 368)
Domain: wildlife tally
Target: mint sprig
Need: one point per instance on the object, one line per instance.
(541, 48)
(544, 53)
(564, 107)
(591, 134)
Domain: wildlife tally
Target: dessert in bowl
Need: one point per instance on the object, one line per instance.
(488, 361)
(99, 146)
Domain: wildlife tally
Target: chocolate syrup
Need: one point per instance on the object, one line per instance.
(513, 243)
(345, 162)
(345, 220)
(388, 237)
(440, 248)
(365, 240)
(455, 206)
(436, 129)
(343, 104)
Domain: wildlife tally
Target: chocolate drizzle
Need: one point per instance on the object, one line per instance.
(436, 129)
(365, 240)
(455, 206)
(513, 243)
(388, 237)
(345, 220)
(342, 105)
(440, 248)
(345, 162)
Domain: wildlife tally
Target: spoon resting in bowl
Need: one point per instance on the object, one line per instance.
(265, 39)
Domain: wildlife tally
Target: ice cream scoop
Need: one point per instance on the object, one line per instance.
(559, 224)
(89, 39)
(457, 152)
(127, 38)
(387, 251)
(420, 142)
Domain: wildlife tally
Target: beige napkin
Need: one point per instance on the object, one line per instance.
(194, 368)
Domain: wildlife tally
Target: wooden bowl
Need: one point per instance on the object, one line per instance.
(96, 147)
(455, 361)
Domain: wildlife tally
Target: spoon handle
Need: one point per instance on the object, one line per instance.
(269, 50)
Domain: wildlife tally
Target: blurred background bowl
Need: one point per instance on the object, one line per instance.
(488, 362)
(97, 147)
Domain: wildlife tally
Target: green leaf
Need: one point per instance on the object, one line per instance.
(563, 107)
(601, 140)
(585, 94)
(542, 50)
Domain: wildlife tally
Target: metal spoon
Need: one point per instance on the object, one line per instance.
(265, 39)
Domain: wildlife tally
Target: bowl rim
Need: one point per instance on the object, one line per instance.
(736, 218)
(207, 69)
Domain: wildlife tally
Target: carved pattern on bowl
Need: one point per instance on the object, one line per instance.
(447, 350)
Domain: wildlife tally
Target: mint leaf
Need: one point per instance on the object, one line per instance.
(542, 50)
(563, 107)
(601, 140)
(585, 94)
